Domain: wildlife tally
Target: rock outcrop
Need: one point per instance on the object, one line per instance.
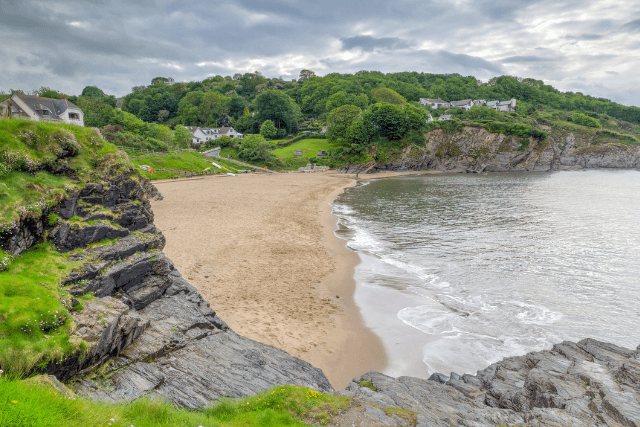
(589, 383)
(474, 149)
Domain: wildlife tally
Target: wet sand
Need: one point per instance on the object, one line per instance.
(261, 249)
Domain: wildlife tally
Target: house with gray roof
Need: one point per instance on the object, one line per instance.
(204, 134)
(506, 106)
(41, 109)
(466, 104)
(445, 117)
(434, 103)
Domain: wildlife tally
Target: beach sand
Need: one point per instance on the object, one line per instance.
(261, 249)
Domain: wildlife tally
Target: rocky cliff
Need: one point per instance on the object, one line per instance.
(474, 149)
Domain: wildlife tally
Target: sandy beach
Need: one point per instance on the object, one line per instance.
(261, 249)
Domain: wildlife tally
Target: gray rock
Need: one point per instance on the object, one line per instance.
(378, 415)
(579, 384)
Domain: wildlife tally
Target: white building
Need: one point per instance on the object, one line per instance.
(42, 109)
(203, 134)
(506, 106)
(445, 117)
(466, 104)
(434, 103)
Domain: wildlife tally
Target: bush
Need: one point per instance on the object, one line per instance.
(585, 120)
(255, 148)
(268, 130)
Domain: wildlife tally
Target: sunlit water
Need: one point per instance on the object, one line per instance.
(460, 271)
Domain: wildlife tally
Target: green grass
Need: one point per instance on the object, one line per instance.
(309, 147)
(187, 161)
(26, 404)
(34, 323)
(368, 384)
(27, 145)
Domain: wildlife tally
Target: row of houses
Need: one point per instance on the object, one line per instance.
(41, 109)
(506, 106)
(203, 134)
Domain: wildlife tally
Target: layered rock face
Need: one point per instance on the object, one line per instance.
(475, 149)
(150, 332)
(589, 383)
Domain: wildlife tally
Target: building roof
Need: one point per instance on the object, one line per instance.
(434, 101)
(463, 102)
(445, 117)
(504, 103)
(42, 105)
(492, 103)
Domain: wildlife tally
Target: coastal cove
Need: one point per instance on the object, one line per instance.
(468, 269)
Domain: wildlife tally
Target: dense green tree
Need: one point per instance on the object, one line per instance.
(340, 120)
(390, 96)
(268, 130)
(278, 107)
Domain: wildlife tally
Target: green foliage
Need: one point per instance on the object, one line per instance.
(585, 120)
(389, 119)
(386, 95)
(368, 384)
(255, 148)
(35, 403)
(278, 107)
(268, 130)
(339, 121)
(518, 129)
(52, 219)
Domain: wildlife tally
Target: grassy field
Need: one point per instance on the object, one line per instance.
(285, 155)
(187, 161)
(309, 147)
(27, 404)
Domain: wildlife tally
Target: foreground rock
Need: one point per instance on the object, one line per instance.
(589, 383)
(474, 149)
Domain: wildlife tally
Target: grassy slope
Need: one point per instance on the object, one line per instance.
(23, 405)
(25, 142)
(34, 322)
(187, 161)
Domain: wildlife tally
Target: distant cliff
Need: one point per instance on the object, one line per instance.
(474, 149)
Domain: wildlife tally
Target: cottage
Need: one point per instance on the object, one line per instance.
(466, 104)
(204, 134)
(42, 109)
(506, 106)
(491, 104)
(445, 117)
(479, 103)
(434, 103)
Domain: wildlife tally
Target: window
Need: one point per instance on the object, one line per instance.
(74, 116)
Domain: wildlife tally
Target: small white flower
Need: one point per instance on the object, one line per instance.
(112, 419)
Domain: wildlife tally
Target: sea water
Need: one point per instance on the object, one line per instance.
(460, 271)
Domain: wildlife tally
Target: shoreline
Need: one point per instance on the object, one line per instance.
(262, 251)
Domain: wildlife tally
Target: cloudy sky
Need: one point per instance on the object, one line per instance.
(592, 46)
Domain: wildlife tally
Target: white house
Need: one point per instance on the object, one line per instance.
(506, 106)
(466, 104)
(434, 103)
(479, 102)
(203, 134)
(445, 117)
(492, 104)
(430, 119)
(43, 109)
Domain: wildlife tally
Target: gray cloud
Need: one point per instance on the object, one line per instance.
(368, 43)
(116, 44)
(633, 26)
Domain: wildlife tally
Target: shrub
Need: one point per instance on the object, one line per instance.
(585, 120)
